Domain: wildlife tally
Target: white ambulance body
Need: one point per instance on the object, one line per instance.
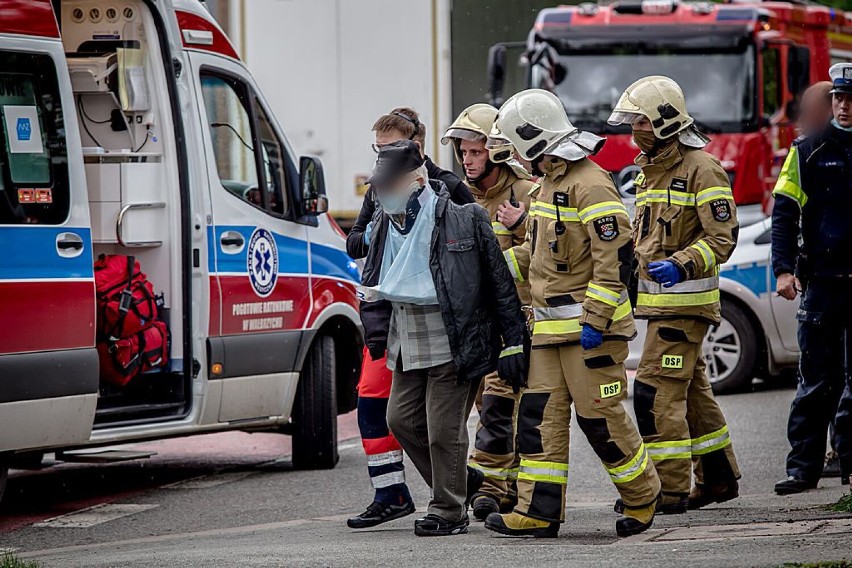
(138, 131)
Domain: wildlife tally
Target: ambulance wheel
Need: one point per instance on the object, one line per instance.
(730, 351)
(315, 410)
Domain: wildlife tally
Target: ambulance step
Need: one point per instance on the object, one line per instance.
(103, 456)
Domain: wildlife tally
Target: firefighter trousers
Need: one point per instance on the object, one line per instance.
(494, 447)
(678, 417)
(595, 383)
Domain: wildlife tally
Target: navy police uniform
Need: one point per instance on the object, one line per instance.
(814, 192)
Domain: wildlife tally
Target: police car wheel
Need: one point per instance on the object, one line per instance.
(729, 351)
(315, 409)
(4, 475)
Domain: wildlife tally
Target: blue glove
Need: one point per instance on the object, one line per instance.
(590, 337)
(367, 232)
(666, 273)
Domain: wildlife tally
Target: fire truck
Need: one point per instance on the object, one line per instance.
(132, 128)
(742, 66)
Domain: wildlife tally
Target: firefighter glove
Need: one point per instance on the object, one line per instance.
(512, 367)
(666, 273)
(590, 337)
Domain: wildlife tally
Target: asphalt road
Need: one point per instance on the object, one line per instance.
(232, 500)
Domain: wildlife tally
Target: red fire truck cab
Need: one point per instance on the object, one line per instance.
(742, 67)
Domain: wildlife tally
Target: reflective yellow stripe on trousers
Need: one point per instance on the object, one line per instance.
(551, 472)
(495, 473)
(679, 449)
(711, 442)
(632, 469)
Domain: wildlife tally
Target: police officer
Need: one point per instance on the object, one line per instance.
(502, 187)
(685, 228)
(815, 189)
(576, 258)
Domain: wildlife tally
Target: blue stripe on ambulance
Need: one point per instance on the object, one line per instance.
(292, 256)
(29, 252)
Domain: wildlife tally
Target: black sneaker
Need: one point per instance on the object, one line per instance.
(475, 478)
(378, 513)
(433, 525)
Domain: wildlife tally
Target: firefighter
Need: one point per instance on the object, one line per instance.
(814, 191)
(576, 258)
(685, 228)
(502, 187)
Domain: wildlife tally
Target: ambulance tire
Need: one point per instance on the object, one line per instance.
(315, 409)
(736, 334)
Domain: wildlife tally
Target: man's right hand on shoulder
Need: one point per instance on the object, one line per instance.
(788, 286)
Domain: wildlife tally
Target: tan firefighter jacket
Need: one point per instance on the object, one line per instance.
(685, 213)
(577, 254)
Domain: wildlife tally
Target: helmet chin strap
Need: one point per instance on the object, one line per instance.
(489, 167)
(536, 166)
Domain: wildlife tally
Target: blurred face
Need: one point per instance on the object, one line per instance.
(841, 106)
(814, 113)
(394, 195)
(474, 157)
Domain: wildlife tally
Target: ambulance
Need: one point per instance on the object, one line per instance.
(131, 127)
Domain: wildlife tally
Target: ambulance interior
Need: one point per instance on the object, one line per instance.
(127, 136)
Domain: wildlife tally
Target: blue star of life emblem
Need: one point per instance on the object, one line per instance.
(262, 261)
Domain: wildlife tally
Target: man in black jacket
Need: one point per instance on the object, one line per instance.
(392, 499)
(454, 307)
(814, 191)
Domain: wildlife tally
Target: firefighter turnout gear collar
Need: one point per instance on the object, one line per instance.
(660, 100)
(535, 123)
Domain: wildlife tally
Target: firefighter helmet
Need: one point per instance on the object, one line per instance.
(475, 123)
(533, 121)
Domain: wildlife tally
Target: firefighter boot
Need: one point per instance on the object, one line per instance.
(516, 524)
(666, 505)
(635, 520)
(703, 494)
(483, 505)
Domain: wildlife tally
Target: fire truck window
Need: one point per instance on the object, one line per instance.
(273, 163)
(771, 83)
(231, 134)
(34, 186)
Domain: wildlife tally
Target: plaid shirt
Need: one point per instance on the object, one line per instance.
(417, 338)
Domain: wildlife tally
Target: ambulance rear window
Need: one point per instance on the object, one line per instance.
(33, 157)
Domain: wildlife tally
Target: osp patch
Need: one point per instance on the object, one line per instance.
(262, 261)
(606, 227)
(721, 209)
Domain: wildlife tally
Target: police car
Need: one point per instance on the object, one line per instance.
(757, 334)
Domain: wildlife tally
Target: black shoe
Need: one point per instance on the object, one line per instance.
(793, 485)
(378, 513)
(483, 505)
(474, 482)
(433, 525)
(832, 465)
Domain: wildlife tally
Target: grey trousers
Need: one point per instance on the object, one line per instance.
(427, 412)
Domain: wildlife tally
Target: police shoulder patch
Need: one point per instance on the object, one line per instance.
(606, 227)
(721, 209)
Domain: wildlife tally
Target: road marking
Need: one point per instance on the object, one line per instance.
(208, 481)
(92, 516)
